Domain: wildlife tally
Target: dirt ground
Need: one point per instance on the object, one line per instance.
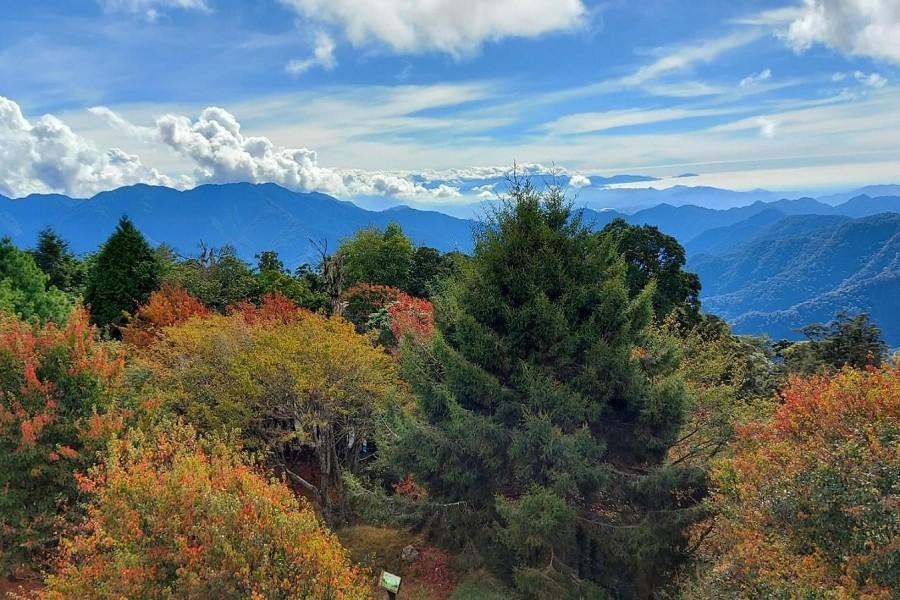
(8, 586)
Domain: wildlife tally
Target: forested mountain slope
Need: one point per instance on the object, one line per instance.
(804, 268)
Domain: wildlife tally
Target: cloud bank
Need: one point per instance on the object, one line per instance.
(47, 156)
(455, 27)
(859, 27)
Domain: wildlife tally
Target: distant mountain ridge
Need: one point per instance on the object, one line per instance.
(250, 217)
(804, 268)
(767, 267)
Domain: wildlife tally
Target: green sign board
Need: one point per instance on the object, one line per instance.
(390, 582)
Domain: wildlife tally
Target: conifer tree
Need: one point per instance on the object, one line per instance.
(53, 257)
(124, 275)
(546, 409)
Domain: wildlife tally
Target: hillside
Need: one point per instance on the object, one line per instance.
(804, 268)
(251, 217)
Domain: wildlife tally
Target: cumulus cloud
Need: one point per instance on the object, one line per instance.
(151, 8)
(455, 27)
(323, 56)
(860, 27)
(221, 153)
(47, 156)
(579, 181)
(873, 80)
(756, 78)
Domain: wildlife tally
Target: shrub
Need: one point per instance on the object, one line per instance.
(168, 306)
(174, 517)
(57, 387)
(809, 504)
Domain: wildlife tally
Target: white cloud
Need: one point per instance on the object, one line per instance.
(117, 122)
(579, 181)
(678, 59)
(47, 156)
(221, 153)
(860, 27)
(151, 8)
(455, 27)
(601, 121)
(767, 127)
(756, 78)
(873, 80)
(323, 56)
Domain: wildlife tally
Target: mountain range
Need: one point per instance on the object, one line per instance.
(768, 267)
(250, 217)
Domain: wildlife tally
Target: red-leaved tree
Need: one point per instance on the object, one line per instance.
(168, 306)
(809, 504)
(57, 392)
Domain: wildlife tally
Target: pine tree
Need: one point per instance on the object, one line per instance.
(124, 275)
(53, 257)
(546, 410)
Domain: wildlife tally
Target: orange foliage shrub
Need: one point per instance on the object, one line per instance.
(170, 305)
(809, 504)
(57, 388)
(411, 316)
(176, 518)
(273, 307)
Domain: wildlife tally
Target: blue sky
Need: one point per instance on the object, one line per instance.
(374, 98)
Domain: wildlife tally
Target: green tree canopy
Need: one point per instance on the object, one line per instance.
(53, 257)
(544, 413)
(373, 256)
(124, 275)
(428, 267)
(652, 255)
(853, 341)
(23, 288)
(274, 278)
(217, 277)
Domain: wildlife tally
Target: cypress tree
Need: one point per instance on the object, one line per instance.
(546, 410)
(124, 275)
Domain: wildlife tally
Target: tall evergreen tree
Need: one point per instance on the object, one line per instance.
(124, 275)
(546, 409)
(53, 257)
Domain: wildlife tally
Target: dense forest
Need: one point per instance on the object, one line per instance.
(553, 415)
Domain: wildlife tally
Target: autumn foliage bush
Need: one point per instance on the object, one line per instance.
(174, 517)
(283, 378)
(168, 306)
(412, 317)
(57, 392)
(809, 505)
(272, 308)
